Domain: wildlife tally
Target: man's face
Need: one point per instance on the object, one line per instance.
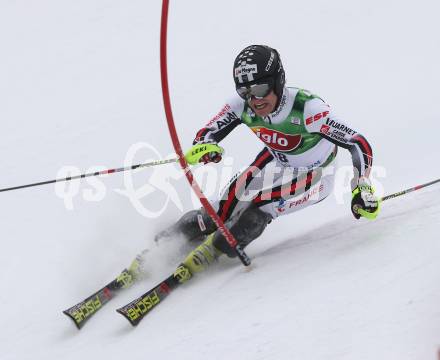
(264, 106)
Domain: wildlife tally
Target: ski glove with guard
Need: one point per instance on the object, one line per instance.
(205, 153)
(363, 202)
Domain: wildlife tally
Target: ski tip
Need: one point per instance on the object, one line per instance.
(123, 312)
(78, 325)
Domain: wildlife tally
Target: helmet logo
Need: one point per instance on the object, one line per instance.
(269, 63)
(245, 69)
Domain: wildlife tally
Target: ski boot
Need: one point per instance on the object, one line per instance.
(197, 260)
(202, 256)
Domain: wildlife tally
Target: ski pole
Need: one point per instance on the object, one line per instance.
(403, 192)
(97, 173)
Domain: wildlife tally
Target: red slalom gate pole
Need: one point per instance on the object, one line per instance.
(176, 143)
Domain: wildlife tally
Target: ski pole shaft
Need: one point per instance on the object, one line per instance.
(97, 173)
(407, 191)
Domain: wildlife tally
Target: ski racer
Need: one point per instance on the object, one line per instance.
(301, 138)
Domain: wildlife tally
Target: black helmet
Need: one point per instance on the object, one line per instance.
(257, 64)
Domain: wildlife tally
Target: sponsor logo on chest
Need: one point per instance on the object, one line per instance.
(317, 117)
(296, 121)
(342, 128)
(276, 139)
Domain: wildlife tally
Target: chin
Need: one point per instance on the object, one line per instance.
(262, 113)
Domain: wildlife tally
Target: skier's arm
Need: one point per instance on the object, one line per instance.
(320, 119)
(222, 123)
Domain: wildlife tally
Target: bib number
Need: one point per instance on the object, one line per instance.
(281, 157)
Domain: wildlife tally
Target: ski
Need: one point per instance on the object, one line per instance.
(84, 310)
(136, 310)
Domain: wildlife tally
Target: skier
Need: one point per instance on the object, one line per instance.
(301, 138)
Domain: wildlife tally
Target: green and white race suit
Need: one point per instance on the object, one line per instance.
(300, 139)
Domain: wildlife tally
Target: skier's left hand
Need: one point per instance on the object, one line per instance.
(364, 203)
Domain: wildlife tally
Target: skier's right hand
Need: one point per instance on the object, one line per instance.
(204, 153)
(213, 156)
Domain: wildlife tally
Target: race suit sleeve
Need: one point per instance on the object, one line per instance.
(228, 118)
(320, 119)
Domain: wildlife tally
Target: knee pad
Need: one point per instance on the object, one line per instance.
(245, 229)
(195, 224)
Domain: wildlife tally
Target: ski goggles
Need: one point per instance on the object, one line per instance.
(258, 91)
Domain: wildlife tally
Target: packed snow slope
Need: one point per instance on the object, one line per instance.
(80, 87)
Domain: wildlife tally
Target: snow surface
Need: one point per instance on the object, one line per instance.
(80, 84)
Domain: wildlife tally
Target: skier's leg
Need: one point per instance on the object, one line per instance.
(235, 197)
(193, 225)
(304, 189)
(196, 224)
(245, 229)
(232, 206)
(245, 221)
